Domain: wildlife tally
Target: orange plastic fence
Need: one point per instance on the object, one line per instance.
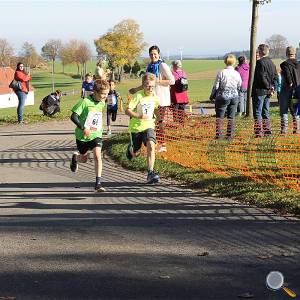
(191, 141)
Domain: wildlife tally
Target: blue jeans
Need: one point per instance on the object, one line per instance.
(227, 106)
(285, 105)
(22, 98)
(261, 115)
(242, 105)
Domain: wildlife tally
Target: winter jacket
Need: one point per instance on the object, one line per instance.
(244, 72)
(24, 78)
(265, 77)
(290, 73)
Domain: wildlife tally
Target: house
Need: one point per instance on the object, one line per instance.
(7, 96)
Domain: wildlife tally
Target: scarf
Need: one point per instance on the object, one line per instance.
(154, 68)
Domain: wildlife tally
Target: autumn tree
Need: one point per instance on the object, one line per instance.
(122, 45)
(29, 55)
(77, 52)
(277, 44)
(6, 53)
(83, 54)
(51, 50)
(65, 55)
(254, 22)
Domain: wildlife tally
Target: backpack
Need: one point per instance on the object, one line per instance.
(182, 84)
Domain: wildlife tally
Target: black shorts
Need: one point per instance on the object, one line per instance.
(84, 147)
(142, 137)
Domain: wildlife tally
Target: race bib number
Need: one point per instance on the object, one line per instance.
(111, 100)
(148, 109)
(94, 121)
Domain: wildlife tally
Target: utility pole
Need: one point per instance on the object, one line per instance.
(254, 22)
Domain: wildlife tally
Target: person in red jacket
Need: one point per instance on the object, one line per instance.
(23, 77)
(179, 95)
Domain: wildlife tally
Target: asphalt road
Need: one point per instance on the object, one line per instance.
(60, 240)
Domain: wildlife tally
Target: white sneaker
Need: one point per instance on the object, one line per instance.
(161, 148)
(108, 133)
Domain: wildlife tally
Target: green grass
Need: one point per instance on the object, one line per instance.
(239, 188)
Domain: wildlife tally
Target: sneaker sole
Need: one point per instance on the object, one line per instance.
(100, 190)
(153, 181)
(74, 170)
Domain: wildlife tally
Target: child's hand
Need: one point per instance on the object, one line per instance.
(145, 117)
(86, 132)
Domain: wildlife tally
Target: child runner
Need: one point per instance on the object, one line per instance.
(87, 116)
(87, 85)
(141, 111)
(112, 105)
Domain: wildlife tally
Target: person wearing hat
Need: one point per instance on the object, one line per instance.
(178, 91)
(289, 87)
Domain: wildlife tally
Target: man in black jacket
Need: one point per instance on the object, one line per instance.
(290, 72)
(265, 76)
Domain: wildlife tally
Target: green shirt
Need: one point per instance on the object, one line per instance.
(145, 105)
(90, 115)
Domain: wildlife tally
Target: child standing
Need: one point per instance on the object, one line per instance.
(87, 85)
(141, 111)
(112, 105)
(87, 116)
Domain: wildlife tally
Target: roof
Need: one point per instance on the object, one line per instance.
(6, 76)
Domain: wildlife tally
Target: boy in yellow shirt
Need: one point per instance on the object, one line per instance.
(141, 111)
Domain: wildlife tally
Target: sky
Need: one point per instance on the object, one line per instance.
(195, 27)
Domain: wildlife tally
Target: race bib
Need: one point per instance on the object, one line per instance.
(94, 121)
(112, 100)
(148, 109)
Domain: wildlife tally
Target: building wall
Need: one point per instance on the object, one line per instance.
(11, 100)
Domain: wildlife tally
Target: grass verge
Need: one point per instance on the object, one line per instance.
(284, 201)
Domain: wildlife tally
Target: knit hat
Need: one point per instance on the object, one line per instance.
(290, 50)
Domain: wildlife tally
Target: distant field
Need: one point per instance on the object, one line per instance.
(201, 75)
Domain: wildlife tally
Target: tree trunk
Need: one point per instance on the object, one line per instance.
(52, 76)
(252, 55)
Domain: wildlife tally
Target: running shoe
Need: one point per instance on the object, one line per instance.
(74, 163)
(152, 177)
(99, 188)
(129, 152)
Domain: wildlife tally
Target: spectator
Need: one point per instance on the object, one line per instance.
(179, 95)
(164, 79)
(51, 104)
(23, 77)
(290, 81)
(265, 76)
(100, 72)
(226, 94)
(87, 85)
(243, 69)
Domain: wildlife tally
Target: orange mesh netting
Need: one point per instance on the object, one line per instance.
(191, 141)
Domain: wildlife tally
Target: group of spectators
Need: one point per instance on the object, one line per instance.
(229, 92)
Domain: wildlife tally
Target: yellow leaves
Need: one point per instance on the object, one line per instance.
(123, 44)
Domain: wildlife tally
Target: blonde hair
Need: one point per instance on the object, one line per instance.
(148, 77)
(230, 60)
(101, 85)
